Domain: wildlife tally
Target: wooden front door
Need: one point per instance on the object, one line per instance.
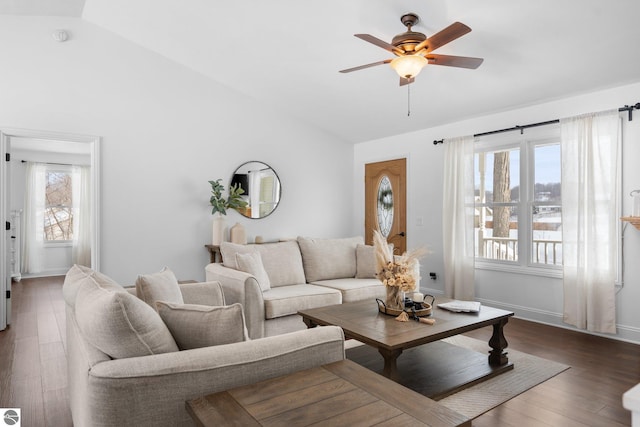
(385, 202)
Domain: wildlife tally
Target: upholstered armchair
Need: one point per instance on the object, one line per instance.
(131, 364)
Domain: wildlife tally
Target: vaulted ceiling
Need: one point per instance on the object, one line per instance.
(286, 53)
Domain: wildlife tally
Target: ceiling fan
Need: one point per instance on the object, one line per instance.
(413, 50)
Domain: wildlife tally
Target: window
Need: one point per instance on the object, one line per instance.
(58, 212)
(518, 210)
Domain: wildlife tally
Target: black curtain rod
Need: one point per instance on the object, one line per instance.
(628, 108)
(50, 163)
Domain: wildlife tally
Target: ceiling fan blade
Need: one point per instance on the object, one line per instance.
(360, 67)
(405, 81)
(449, 34)
(380, 43)
(454, 61)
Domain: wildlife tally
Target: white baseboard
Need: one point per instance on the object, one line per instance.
(625, 333)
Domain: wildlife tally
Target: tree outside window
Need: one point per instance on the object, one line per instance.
(58, 216)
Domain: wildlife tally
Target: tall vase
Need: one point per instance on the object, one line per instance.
(238, 234)
(395, 298)
(219, 225)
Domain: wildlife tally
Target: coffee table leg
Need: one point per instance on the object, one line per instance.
(498, 343)
(390, 366)
(309, 323)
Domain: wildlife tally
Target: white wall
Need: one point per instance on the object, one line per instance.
(532, 297)
(166, 131)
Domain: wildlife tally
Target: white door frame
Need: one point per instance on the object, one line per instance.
(94, 149)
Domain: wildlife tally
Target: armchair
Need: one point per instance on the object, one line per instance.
(151, 389)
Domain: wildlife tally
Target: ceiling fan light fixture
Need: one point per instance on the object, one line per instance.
(409, 66)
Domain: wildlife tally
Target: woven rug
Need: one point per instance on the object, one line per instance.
(474, 401)
(529, 371)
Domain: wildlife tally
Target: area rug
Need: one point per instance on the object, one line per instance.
(472, 402)
(529, 371)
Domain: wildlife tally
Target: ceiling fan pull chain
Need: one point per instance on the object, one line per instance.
(408, 99)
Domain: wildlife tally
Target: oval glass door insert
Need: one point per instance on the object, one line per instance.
(385, 206)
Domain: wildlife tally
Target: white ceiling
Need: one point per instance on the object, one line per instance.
(42, 7)
(287, 53)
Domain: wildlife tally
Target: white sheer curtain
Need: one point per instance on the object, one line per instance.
(458, 214)
(590, 146)
(81, 185)
(33, 226)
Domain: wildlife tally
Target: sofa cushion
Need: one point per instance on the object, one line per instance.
(118, 323)
(160, 286)
(325, 259)
(197, 326)
(282, 260)
(355, 289)
(252, 263)
(286, 300)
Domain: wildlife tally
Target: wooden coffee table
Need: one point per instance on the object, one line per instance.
(337, 394)
(362, 321)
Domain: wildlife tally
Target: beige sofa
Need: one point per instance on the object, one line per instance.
(293, 275)
(125, 367)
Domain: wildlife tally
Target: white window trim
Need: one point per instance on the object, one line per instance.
(526, 143)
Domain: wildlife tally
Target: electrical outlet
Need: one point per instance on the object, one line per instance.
(419, 221)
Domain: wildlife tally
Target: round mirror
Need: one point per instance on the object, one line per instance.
(261, 187)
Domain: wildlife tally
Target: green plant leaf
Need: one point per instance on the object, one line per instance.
(219, 204)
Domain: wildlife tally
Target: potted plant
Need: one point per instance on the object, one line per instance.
(219, 206)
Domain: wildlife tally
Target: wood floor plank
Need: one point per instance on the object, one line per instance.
(56, 408)
(54, 373)
(26, 324)
(7, 348)
(540, 413)
(48, 327)
(26, 360)
(27, 395)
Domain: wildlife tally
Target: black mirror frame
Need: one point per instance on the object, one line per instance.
(267, 166)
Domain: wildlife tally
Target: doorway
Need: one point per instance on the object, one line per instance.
(385, 204)
(39, 146)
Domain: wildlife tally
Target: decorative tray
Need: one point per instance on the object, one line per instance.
(415, 308)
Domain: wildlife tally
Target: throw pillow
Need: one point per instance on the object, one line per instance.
(365, 262)
(196, 326)
(229, 250)
(252, 263)
(120, 324)
(78, 275)
(160, 286)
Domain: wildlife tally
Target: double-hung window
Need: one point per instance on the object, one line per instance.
(518, 209)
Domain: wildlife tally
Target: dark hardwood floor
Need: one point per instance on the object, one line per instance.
(33, 364)
(33, 373)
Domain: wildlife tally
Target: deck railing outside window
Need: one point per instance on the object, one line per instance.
(506, 249)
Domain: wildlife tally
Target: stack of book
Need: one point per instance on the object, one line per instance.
(461, 306)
